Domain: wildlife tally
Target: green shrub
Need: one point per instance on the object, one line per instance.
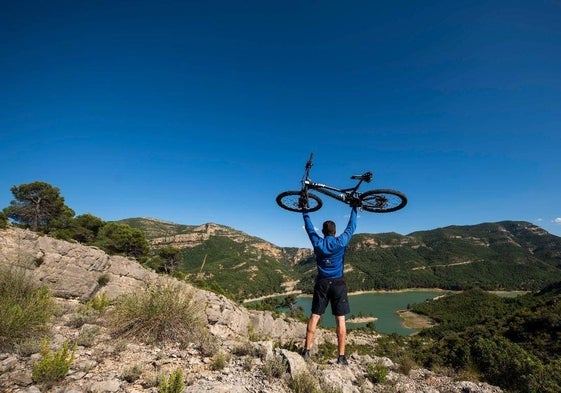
(506, 364)
(208, 344)
(103, 280)
(304, 382)
(87, 335)
(25, 308)
(376, 372)
(247, 349)
(327, 387)
(326, 350)
(3, 221)
(275, 367)
(219, 361)
(406, 363)
(174, 384)
(160, 313)
(52, 367)
(99, 302)
(132, 374)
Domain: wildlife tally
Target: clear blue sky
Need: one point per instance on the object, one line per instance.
(197, 112)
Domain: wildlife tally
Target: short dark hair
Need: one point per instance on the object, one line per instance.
(328, 228)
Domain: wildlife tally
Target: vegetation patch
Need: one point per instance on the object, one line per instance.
(25, 308)
(376, 372)
(509, 342)
(173, 384)
(160, 313)
(53, 366)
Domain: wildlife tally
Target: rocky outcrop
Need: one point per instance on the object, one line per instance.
(74, 271)
(248, 342)
(70, 270)
(199, 235)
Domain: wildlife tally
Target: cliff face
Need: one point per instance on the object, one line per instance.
(104, 364)
(198, 235)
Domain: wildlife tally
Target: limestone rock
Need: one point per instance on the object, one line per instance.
(103, 364)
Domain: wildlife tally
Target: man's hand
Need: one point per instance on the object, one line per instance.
(355, 203)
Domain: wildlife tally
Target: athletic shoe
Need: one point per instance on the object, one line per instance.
(342, 360)
(306, 354)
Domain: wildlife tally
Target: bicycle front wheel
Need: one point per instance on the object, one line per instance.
(383, 201)
(297, 201)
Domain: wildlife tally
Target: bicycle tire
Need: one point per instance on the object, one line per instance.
(290, 200)
(383, 201)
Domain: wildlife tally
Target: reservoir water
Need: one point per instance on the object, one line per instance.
(381, 305)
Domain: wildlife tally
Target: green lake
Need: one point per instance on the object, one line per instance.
(380, 305)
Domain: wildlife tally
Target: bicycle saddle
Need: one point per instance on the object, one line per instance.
(367, 177)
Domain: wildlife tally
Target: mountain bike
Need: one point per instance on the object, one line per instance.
(375, 201)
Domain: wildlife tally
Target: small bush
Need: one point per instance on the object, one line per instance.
(406, 364)
(25, 308)
(3, 221)
(247, 363)
(326, 350)
(376, 372)
(52, 367)
(161, 313)
(247, 349)
(251, 334)
(220, 361)
(99, 302)
(87, 335)
(304, 383)
(103, 280)
(174, 384)
(208, 344)
(132, 374)
(28, 347)
(275, 367)
(326, 387)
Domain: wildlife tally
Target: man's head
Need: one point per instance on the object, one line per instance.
(328, 228)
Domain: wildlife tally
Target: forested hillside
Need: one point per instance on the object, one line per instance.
(508, 255)
(511, 342)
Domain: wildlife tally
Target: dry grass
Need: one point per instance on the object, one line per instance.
(25, 308)
(159, 314)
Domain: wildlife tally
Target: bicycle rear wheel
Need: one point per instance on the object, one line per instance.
(296, 201)
(383, 201)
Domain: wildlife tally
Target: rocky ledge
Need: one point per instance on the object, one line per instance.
(255, 351)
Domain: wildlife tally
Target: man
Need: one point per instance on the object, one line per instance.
(330, 286)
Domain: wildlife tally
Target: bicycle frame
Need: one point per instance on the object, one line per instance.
(341, 194)
(344, 195)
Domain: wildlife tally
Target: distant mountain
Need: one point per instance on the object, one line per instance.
(228, 260)
(507, 255)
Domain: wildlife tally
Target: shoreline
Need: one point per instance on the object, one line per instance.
(366, 292)
(256, 299)
(399, 291)
(361, 320)
(390, 291)
(414, 321)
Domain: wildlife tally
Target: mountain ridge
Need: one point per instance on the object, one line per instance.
(505, 255)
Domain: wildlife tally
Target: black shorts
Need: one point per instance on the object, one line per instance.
(331, 291)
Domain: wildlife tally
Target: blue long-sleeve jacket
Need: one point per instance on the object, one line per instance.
(330, 250)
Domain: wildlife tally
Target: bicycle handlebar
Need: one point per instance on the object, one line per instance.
(309, 163)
